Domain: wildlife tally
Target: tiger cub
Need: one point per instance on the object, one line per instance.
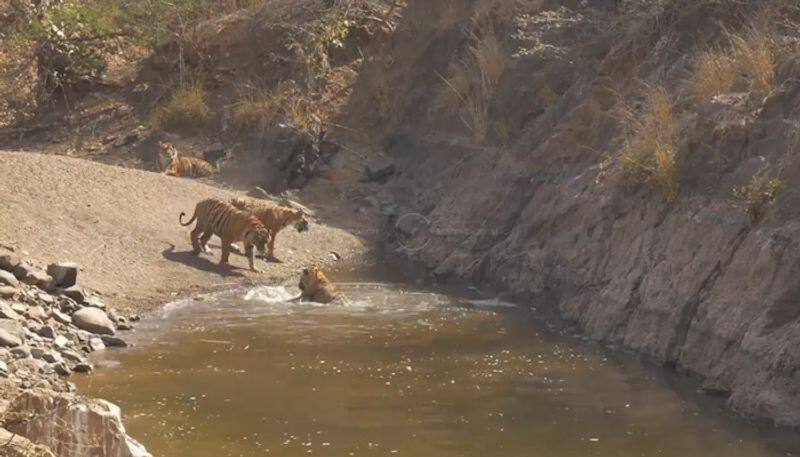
(218, 217)
(188, 166)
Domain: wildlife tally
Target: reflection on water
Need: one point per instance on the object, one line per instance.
(398, 372)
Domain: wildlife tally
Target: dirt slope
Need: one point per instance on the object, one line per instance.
(121, 226)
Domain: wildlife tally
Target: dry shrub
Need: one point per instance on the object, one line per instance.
(649, 149)
(302, 114)
(755, 55)
(472, 79)
(185, 109)
(714, 73)
(261, 107)
(758, 196)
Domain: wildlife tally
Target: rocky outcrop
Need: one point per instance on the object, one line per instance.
(71, 426)
(14, 445)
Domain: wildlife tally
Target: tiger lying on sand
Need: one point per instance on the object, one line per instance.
(275, 218)
(218, 217)
(188, 166)
(317, 288)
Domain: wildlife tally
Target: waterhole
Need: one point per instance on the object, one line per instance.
(403, 370)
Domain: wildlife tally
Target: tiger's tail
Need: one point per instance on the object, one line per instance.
(180, 218)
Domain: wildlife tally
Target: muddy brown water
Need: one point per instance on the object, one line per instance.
(404, 370)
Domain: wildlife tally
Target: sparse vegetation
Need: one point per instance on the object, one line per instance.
(185, 109)
(714, 73)
(472, 79)
(649, 148)
(754, 54)
(750, 60)
(758, 196)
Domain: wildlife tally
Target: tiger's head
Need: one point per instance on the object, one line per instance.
(166, 154)
(299, 219)
(312, 280)
(258, 236)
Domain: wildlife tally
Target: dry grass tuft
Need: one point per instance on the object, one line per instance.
(649, 150)
(472, 80)
(714, 73)
(185, 109)
(755, 55)
(758, 196)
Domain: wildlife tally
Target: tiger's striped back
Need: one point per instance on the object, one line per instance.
(191, 167)
(222, 219)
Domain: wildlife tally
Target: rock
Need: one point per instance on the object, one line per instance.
(46, 298)
(33, 276)
(124, 326)
(75, 292)
(71, 355)
(3, 369)
(8, 291)
(64, 274)
(47, 331)
(83, 367)
(94, 302)
(9, 337)
(8, 262)
(96, 344)
(60, 341)
(93, 320)
(15, 445)
(8, 279)
(6, 312)
(114, 341)
(113, 315)
(86, 424)
(19, 308)
(52, 357)
(60, 317)
(37, 312)
(21, 352)
(37, 353)
(379, 171)
(62, 369)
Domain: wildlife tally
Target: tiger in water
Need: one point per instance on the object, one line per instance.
(188, 166)
(218, 217)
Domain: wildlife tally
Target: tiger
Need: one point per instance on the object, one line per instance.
(275, 218)
(218, 217)
(317, 288)
(193, 167)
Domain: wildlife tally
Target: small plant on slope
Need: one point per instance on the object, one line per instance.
(758, 196)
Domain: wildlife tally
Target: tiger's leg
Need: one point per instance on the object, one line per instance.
(204, 242)
(195, 242)
(226, 251)
(271, 247)
(248, 250)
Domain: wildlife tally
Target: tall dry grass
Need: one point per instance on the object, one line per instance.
(713, 73)
(649, 149)
(186, 108)
(473, 78)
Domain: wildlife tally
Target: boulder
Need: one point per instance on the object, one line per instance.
(47, 331)
(96, 344)
(93, 320)
(15, 445)
(33, 276)
(60, 317)
(8, 262)
(37, 353)
(114, 341)
(37, 312)
(83, 367)
(7, 312)
(21, 352)
(8, 291)
(8, 279)
(94, 302)
(10, 333)
(65, 274)
(379, 171)
(71, 355)
(52, 357)
(60, 341)
(3, 369)
(84, 424)
(76, 293)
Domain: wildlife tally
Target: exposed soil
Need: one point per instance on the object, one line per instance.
(121, 227)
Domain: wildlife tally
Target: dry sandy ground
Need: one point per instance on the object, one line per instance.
(121, 226)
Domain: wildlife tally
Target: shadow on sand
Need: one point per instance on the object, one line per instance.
(201, 263)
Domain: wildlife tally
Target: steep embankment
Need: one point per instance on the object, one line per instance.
(121, 227)
(693, 283)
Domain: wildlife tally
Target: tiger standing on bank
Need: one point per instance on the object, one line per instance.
(274, 217)
(218, 217)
